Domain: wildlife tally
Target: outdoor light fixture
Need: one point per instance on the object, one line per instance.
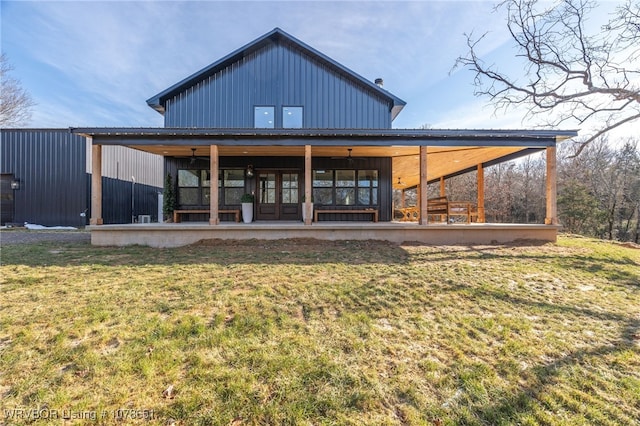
(250, 170)
(15, 184)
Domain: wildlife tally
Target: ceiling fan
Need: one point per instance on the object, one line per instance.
(349, 158)
(193, 159)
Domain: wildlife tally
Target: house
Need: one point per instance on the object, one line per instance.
(281, 120)
(45, 179)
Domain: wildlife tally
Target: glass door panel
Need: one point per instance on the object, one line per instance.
(289, 195)
(267, 194)
(267, 208)
(278, 195)
(289, 188)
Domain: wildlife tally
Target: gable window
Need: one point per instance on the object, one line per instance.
(264, 117)
(292, 117)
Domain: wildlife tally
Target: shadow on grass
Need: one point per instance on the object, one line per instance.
(593, 264)
(544, 377)
(221, 252)
(541, 381)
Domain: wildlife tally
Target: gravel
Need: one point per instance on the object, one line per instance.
(25, 236)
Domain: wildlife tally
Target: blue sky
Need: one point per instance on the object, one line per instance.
(94, 63)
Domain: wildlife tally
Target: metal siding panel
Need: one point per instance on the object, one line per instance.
(50, 164)
(122, 163)
(167, 113)
(277, 75)
(117, 201)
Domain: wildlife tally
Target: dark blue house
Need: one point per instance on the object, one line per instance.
(277, 82)
(284, 122)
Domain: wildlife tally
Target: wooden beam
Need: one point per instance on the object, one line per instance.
(481, 216)
(96, 184)
(552, 209)
(213, 189)
(424, 220)
(307, 205)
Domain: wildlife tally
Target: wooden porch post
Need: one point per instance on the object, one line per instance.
(213, 189)
(481, 217)
(443, 189)
(424, 220)
(307, 186)
(96, 184)
(552, 208)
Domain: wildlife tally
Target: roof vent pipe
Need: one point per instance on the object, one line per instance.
(379, 82)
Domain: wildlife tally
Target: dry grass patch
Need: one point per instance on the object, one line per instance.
(310, 332)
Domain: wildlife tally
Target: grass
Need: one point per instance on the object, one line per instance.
(306, 332)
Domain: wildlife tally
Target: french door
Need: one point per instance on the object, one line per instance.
(278, 195)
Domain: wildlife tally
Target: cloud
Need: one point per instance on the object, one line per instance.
(95, 63)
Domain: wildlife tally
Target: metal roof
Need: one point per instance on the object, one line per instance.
(354, 137)
(276, 35)
(450, 152)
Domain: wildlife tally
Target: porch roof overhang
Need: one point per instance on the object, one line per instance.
(450, 152)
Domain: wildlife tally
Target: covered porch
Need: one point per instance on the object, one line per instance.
(415, 159)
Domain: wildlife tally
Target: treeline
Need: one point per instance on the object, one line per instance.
(598, 190)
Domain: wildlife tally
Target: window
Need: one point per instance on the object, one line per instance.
(194, 187)
(205, 179)
(189, 187)
(233, 183)
(323, 186)
(341, 188)
(264, 117)
(292, 117)
(345, 187)
(367, 187)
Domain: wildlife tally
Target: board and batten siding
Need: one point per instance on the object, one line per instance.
(127, 164)
(278, 75)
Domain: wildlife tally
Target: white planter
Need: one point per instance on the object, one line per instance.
(247, 212)
(304, 212)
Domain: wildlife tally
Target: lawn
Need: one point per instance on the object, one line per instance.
(308, 332)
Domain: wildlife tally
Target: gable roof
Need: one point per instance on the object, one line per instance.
(274, 36)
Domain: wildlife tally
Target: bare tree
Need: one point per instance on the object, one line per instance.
(571, 75)
(15, 102)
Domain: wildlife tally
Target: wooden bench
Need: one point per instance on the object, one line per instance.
(373, 212)
(438, 206)
(461, 208)
(441, 206)
(177, 213)
(409, 214)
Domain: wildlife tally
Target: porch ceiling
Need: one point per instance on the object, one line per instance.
(449, 152)
(441, 161)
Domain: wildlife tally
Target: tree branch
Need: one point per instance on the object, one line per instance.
(570, 75)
